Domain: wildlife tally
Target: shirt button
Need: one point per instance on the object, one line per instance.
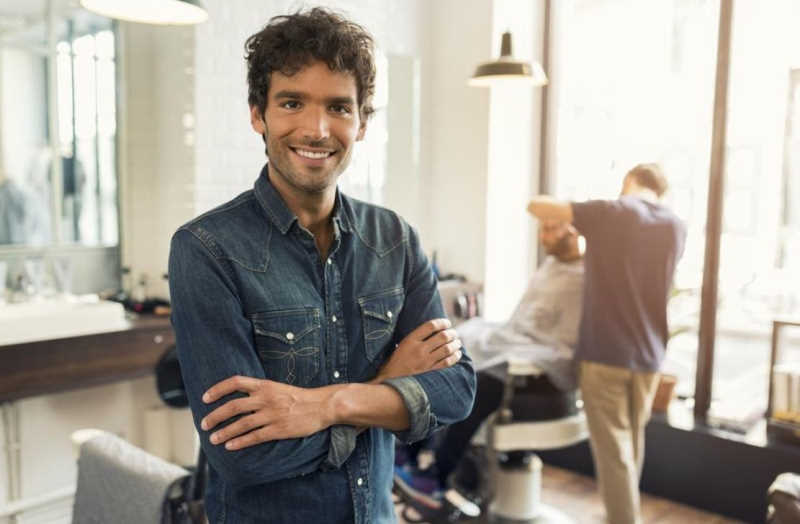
(335, 374)
(389, 314)
(289, 336)
(329, 262)
(359, 481)
(333, 319)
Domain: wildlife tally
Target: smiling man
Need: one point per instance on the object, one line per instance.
(309, 326)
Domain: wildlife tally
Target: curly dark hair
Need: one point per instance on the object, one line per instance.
(289, 43)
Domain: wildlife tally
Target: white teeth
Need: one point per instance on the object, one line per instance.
(312, 154)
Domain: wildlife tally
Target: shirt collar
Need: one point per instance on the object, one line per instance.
(279, 213)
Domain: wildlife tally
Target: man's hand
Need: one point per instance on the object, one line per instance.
(272, 411)
(432, 345)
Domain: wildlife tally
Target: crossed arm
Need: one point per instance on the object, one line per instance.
(276, 411)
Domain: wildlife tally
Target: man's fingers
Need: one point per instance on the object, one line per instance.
(450, 361)
(243, 425)
(227, 410)
(445, 350)
(439, 339)
(230, 385)
(426, 329)
(257, 436)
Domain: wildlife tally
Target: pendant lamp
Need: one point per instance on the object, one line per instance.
(507, 70)
(161, 12)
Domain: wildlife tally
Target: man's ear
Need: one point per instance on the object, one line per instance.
(362, 128)
(257, 120)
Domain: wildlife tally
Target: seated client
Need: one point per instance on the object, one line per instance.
(543, 329)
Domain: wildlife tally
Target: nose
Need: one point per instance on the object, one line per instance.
(315, 125)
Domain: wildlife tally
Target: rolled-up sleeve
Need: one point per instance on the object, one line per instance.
(436, 398)
(416, 401)
(214, 340)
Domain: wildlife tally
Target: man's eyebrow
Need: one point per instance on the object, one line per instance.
(289, 94)
(341, 100)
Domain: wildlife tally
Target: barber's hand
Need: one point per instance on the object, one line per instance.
(272, 411)
(432, 345)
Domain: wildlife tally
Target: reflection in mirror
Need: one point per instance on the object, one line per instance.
(24, 189)
(63, 110)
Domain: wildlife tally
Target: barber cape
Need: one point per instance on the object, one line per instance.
(543, 328)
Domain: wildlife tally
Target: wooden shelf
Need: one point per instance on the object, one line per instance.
(52, 366)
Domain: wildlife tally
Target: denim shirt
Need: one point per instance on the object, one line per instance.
(251, 296)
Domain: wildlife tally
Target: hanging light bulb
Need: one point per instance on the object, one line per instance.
(162, 12)
(507, 70)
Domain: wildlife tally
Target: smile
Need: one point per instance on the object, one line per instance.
(316, 155)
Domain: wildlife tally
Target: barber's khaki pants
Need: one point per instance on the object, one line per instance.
(617, 403)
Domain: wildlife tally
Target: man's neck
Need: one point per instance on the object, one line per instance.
(313, 210)
(643, 193)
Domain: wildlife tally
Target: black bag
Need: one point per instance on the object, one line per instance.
(183, 503)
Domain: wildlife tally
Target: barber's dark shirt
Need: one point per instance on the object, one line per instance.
(251, 297)
(632, 248)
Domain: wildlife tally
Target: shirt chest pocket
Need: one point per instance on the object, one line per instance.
(379, 315)
(289, 345)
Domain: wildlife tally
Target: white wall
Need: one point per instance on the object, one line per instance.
(157, 158)
(484, 148)
(458, 120)
(513, 176)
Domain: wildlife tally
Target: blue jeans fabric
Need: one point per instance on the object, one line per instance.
(251, 296)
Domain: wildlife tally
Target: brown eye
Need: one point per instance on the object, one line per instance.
(341, 109)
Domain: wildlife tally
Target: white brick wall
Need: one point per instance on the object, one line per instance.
(158, 156)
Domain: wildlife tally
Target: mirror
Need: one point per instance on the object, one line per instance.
(58, 158)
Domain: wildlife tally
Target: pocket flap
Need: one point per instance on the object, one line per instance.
(288, 326)
(379, 314)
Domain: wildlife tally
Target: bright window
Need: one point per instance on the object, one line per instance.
(633, 82)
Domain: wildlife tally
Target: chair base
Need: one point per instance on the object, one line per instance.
(518, 496)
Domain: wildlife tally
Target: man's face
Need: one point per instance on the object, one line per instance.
(311, 123)
(559, 239)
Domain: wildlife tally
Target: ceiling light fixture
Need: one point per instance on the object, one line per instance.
(507, 70)
(161, 12)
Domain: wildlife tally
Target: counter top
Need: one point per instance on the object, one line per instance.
(62, 364)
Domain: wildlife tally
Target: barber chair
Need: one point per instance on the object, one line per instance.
(534, 415)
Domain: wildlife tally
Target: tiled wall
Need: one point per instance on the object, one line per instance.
(158, 155)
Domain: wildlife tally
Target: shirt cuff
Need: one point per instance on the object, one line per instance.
(343, 442)
(418, 406)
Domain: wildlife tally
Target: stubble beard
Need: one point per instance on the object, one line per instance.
(280, 162)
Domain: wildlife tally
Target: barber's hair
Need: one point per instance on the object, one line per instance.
(289, 43)
(649, 176)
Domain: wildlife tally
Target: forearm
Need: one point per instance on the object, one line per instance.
(368, 405)
(546, 207)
